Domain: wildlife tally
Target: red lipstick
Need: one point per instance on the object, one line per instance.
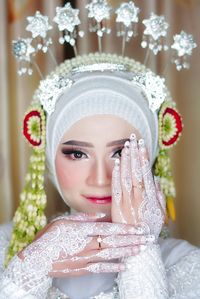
(99, 200)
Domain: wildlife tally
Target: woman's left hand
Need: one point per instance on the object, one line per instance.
(137, 198)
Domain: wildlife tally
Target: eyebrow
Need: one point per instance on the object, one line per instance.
(87, 144)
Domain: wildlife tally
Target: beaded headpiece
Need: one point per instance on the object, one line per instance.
(29, 217)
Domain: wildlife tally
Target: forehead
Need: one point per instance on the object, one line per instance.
(107, 127)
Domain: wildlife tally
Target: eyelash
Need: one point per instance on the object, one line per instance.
(70, 152)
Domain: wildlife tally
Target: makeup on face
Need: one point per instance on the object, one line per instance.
(76, 150)
(88, 144)
(85, 160)
(78, 153)
(99, 200)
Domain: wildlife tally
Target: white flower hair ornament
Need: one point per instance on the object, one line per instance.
(29, 217)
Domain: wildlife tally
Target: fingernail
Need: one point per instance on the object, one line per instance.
(132, 136)
(141, 142)
(126, 147)
(94, 216)
(127, 143)
(100, 215)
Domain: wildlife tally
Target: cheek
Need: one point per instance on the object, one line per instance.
(69, 173)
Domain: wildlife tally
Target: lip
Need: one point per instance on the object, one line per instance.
(99, 199)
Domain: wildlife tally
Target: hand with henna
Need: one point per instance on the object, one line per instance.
(137, 198)
(70, 246)
(138, 201)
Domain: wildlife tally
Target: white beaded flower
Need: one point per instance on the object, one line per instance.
(99, 10)
(22, 48)
(33, 128)
(38, 25)
(127, 13)
(50, 90)
(183, 44)
(155, 26)
(153, 87)
(67, 17)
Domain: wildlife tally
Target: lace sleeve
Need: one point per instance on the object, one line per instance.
(184, 277)
(16, 282)
(8, 290)
(145, 276)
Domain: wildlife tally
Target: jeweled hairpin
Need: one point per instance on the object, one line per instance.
(99, 12)
(23, 51)
(127, 16)
(183, 46)
(155, 31)
(67, 19)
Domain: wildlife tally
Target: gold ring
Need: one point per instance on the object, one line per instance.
(99, 240)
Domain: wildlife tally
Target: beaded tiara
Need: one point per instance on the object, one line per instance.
(29, 217)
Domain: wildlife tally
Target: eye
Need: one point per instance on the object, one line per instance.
(118, 152)
(73, 154)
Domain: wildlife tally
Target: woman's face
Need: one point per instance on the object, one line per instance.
(85, 160)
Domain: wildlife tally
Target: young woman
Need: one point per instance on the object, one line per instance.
(101, 143)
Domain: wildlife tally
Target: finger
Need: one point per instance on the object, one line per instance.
(127, 185)
(95, 256)
(116, 210)
(80, 262)
(121, 241)
(93, 267)
(160, 195)
(107, 228)
(152, 214)
(126, 171)
(115, 241)
(87, 217)
(146, 171)
(117, 253)
(136, 169)
(105, 267)
(116, 183)
(81, 217)
(137, 177)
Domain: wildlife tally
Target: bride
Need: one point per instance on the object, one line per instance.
(102, 130)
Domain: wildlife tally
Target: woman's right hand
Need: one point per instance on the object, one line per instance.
(67, 247)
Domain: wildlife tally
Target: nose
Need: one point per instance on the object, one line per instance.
(100, 174)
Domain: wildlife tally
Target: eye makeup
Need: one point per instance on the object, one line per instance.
(68, 152)
(80, 153)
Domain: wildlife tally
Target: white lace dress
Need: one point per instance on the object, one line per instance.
(168, 270)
